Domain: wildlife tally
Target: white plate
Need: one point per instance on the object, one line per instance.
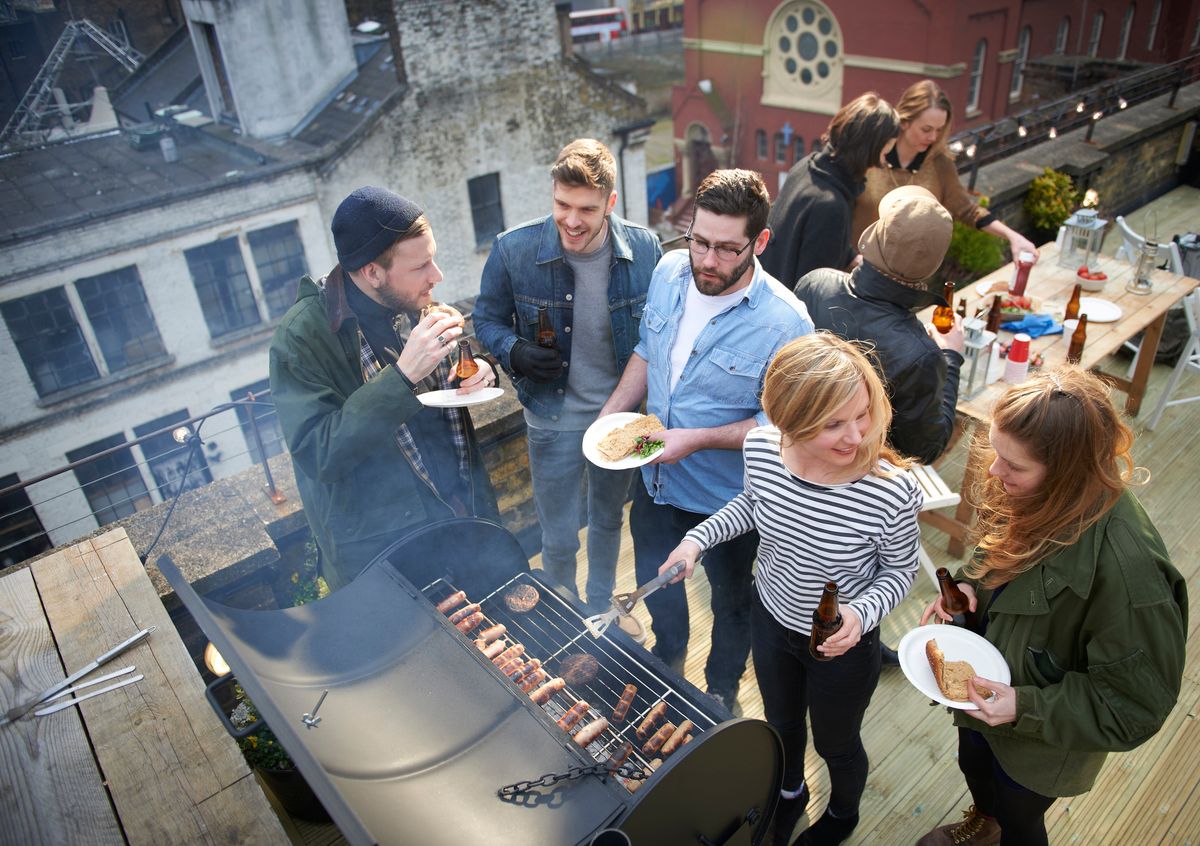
(451, 398)
(596, 433)
(1098, 310)
(996, 286)
(958, 644)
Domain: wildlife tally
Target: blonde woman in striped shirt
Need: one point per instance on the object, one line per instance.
(830, 502)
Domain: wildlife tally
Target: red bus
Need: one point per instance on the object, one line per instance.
(597, 25)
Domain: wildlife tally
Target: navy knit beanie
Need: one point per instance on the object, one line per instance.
(369, 221)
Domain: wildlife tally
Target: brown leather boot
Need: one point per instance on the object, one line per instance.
(974, 830)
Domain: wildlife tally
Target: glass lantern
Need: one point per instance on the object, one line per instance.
(1141, 283)
(1081, 242)
(977, 352)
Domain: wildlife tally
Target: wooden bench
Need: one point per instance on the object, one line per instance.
(146, 764)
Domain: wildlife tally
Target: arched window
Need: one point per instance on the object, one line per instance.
(781, 149)
(1018, 75)
(1126, 28)
(797, 149)
(975, 85)
(1097, 31)
(1154, 16)
(760, 143)
(1060, 39)
(802, 58)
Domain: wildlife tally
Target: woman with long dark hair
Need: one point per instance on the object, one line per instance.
(830, 503)
(1074, 586)
(810, 219)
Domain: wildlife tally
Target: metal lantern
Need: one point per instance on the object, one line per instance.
(1081, 243)
(1141, 283)
(977, 350)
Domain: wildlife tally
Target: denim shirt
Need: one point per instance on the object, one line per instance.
(526, 269)
(721, 383)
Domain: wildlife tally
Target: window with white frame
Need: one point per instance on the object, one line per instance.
(1097, 31)
(797, 148)
(1126, 29)
(1018, 74)
(50, 341)
(803, 63)
(226, 298)
(975, 83)
(279, 258)
(113, 485)
(760, 143)
(1060, 37)
(1155, 13)
(781, 149)
(167, 459)
(120, 317)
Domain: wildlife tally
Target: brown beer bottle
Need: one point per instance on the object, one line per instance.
(826, 621)
(545, 331)
(962, 307)
(954, 601)
(995, 314)
(943, 315)
(1075, 351)
(1072, 310)
(466, 367)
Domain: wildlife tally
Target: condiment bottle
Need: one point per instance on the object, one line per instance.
(1072, 310)
(826, 621)
(1078, 337)
(954, 601)
(943, 315)
(1021, 276)
(995, 314)
(545, 331)
(1016, 366)
(466, 367)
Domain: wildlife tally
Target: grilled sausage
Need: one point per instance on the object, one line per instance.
(463, 613)
(514, 651)
(526, 669)
(676, 739)
(656, 713)
(493, 633)
(655, 743)
(622, 709)
(543, 694)
(492, 649)
(451, 602)
(590, 732)
(529, 682)
(576, 713)
(620, 756)
(469, 623)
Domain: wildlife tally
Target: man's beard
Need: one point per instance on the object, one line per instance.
(728, 280)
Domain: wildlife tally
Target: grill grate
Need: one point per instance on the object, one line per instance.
(554, 631)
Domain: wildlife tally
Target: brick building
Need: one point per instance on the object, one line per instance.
(763, 77)
(139, 287)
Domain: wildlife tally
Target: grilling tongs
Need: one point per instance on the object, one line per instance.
(622, 603)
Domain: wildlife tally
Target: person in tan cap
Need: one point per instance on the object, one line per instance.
(875, 302)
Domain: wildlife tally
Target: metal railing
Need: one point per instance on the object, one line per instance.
(981, 145)
(189, 437)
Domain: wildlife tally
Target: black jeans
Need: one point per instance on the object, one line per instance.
(658, 529)
(834, 694)
(1019, 811)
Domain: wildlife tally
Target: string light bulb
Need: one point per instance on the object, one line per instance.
(971, 151)
(956, 147)
(1096, 115)
(1053, 133)
(1079, 107)
(1021, 130)
(1121, 103)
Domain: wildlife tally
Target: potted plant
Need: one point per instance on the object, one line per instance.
(1050, 200)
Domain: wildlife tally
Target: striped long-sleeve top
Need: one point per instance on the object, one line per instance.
(862, 535)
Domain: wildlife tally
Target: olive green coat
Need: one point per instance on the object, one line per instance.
(1094, 637)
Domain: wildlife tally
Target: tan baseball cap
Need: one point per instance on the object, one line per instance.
(909, 240)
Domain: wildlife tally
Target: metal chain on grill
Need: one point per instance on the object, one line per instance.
(628, 770)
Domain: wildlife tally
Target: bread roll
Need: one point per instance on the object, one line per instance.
(952, 676)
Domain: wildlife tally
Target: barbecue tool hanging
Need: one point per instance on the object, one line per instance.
(622, 603)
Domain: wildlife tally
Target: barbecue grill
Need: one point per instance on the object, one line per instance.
(408, 733)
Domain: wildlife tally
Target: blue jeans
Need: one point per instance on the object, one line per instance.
(557, 466)
(834, 694)
(658, 529)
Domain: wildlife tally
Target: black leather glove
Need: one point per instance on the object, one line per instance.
(533, 362)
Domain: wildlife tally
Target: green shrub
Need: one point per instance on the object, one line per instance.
(1050, 200)
(972, 253)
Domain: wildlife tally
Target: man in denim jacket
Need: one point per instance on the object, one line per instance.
(713, 321)
(590, 270)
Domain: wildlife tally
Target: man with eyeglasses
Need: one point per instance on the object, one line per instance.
(713, 321)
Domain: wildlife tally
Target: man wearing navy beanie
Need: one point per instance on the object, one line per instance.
(349, 362)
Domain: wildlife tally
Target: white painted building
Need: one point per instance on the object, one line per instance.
(136, 290)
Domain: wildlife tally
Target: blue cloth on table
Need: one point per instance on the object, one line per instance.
(1034, 325)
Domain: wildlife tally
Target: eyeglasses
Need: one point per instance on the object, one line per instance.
(700, 247)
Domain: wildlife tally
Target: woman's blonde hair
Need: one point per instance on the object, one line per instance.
(1065, 421)
(809, 381)
(921, 96)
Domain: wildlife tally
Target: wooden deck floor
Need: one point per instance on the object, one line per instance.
(1148, 796)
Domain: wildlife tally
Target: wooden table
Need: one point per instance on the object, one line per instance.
(148, 763)
(1053, 285)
